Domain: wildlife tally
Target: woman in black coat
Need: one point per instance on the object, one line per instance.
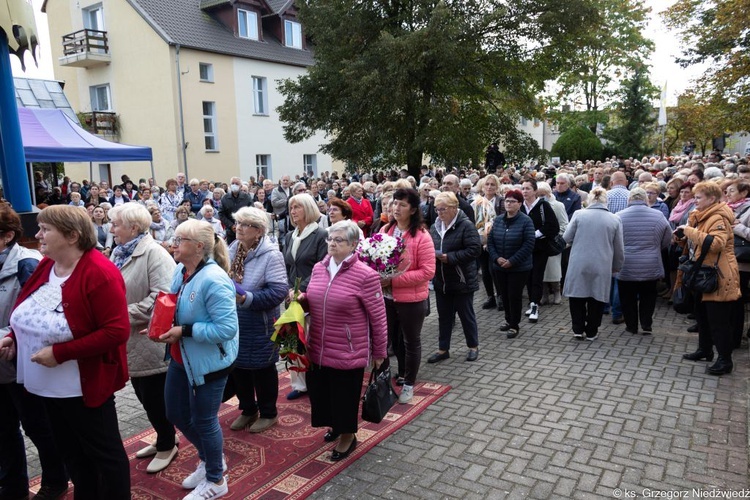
(457, 247)
(510, 245)
(546, 228)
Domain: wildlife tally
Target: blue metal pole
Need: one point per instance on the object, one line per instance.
(12, 158)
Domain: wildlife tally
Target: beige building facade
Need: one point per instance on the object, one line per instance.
(146, 71)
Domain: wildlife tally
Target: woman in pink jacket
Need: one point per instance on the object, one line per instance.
(406, 297)
(347, 330)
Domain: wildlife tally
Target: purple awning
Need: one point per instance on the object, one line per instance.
(50, 136)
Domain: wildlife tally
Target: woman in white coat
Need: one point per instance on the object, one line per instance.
(553, 271)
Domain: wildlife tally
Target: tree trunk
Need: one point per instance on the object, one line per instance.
(414, 163)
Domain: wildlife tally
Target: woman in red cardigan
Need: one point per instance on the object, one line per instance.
(361, 208)
(69, 328)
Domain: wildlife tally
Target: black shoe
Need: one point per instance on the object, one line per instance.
(618, 321)
(647, 331)
(295, 394)
(722, 366)
(472, 355)
(330, 436)
(699, 355)
(400, 381)
(48, 492)
(504, 327)
(634, 331)
(438, 357)
(693, 328)
(512, 333)
(490, 303)
(340, 455)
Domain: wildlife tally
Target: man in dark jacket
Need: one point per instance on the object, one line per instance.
(230, 203)
(451, 184)
(567, 196)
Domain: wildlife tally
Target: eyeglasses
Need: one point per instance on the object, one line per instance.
(511, 200)
(336, 240)
(179, 239)
(245, 225)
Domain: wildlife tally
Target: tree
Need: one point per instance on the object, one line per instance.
(699, 121)
(715, 32)
(578, 143)
(633, 116)
(394, 80)
(605, 53)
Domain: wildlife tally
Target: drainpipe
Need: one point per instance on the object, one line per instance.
(182, 116)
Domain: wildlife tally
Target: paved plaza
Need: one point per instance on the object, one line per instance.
(548, 416)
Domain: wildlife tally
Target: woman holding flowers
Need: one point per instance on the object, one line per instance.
(406, 294)
(260, 281)
(347, 330)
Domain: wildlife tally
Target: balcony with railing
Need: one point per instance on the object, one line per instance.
(101, 123)
(85, 49)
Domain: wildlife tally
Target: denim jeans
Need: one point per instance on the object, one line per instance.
(194, 411)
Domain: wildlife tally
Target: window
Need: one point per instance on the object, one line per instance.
(311, 164)
(247, 22)
(101, 99)
(524, 121)
(93, 18)
(206, 71)
(209, 125)
(536, 122)
(263, 166)
(293, 34)
(260, 95)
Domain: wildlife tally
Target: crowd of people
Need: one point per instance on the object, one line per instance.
(612, 237)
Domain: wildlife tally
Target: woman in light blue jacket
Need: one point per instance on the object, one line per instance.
(203, 348)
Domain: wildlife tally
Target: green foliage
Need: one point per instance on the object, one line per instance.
(602, 55)
(394, 80)
(578, 143)
(633, 116)
(715, 32)
(566, 120)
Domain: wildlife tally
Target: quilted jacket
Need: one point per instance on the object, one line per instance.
(412, 285)
(347, 316)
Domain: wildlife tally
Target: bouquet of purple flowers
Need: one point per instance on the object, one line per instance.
(385, 254)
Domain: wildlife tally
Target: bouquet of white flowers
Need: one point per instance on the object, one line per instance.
(385, 254)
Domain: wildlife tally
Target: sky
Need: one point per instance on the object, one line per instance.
(663, 67)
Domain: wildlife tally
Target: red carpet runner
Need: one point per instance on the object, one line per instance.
(288, 461)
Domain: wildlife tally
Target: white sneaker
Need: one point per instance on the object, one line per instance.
(194, 479)
(206, 490)
(531, 308)
(534, 315)
(407, 394)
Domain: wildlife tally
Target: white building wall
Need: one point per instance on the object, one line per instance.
(263, 134)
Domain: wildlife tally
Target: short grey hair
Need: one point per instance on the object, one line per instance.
(349, 228)
(637, 194)
(206, 208)
(132, 215)
(465, 182)
(253, 216)
(712, 172)
(299, 185)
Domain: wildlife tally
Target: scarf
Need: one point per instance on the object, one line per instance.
(737, 204)
(679, 210)
(237, 271)
(297, 238)
(122, 253)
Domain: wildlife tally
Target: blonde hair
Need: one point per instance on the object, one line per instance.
(213, 246)
(309, 207)
(133, 214)
(448, 198)
(598, 195)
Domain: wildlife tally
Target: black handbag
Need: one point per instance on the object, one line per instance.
(379, 396)
(697, 277)
(741, 249)
(683, 300)
(554, 246)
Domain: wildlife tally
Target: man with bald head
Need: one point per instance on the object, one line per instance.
(617, 198)
(452, 184)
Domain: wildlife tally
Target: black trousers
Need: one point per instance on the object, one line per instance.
(738, 311)
(405, 321)
(19, 407)
(447, 306)
(487, 281)
(89, 441)
(334, 397)
(714, 326)
(257, 390)
(536, 276)
(638, 302)
(586, 315)
(510, 287)
(150, 392)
